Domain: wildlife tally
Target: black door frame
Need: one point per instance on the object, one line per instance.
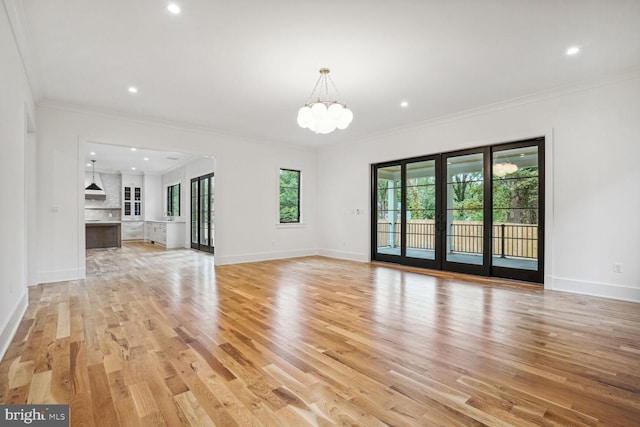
(199, 246)
(440, 263)
(458, 267)
(403, 258)
(535, 276)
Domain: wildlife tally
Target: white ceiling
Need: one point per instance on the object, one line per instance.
(245, 67)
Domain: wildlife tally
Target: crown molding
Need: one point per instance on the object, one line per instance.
(17, 22)
(631, 74)
(170, 124)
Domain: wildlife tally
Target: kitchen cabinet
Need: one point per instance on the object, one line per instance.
(132, 230)
(131, 196)
(169, 234)
(102, 234)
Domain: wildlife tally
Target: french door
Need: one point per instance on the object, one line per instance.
(476, 211)
(406, 220)
(202, 213)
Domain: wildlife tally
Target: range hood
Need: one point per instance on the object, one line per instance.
(93, 188)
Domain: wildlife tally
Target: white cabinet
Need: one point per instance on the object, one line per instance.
(132, 230)
(131, 196)
(169, 234)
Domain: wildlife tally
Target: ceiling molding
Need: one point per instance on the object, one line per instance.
(632, 74)
(17, 21)
(170, 124)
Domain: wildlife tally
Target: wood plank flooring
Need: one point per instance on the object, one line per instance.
(156, 337)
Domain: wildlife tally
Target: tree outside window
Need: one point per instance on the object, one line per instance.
(173, 200)
(289, 196)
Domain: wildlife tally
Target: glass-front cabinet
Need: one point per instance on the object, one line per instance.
(131, 196)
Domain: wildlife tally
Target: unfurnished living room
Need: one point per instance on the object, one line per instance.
(371, 213)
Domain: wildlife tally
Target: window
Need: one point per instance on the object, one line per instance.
(173, 200)
(289, 196)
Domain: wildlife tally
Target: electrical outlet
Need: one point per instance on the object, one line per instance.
(617, 267)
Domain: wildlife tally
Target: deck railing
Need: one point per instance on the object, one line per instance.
(509, 239)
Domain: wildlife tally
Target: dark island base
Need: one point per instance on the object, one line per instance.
(102, 235)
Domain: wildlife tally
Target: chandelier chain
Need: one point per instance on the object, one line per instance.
(310, 99)
(339, 95)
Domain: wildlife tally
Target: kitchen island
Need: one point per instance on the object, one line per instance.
(102, 234)
(169, 234)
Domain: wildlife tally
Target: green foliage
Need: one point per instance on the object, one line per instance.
(173, 200)
(468, 196)
(515, 197)
(421, 197)
(289, 196)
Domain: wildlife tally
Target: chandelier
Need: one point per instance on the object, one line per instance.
(321, 114)
(502, 169)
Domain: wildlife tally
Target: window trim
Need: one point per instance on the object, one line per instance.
(290, 224)
(170, 191)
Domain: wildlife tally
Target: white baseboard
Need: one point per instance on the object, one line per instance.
(350, 256)
(11, 327)
(596, 289)
(61, 275)
(263, 256)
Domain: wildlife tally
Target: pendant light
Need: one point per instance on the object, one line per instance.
(323, 113)
(93, 185)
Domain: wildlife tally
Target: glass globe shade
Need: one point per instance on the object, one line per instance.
(301, 123)
(335, 111)
(345, 119)
(348, 114)
(305, 115)
(325, 126)
(319, 111)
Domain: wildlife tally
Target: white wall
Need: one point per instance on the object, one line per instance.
(16, 104)
(246, 187)
(182, 175)
(152, 196)
(593, 201)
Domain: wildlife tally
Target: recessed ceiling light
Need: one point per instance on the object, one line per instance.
(146, 158)
(573, 50)
(404, 104)
(522, 155)
(133, 89)
(133, 149)
(133, 168)
(88, 165)
(93, 153)
(173, 8)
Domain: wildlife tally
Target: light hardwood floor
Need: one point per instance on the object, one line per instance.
(156, 337)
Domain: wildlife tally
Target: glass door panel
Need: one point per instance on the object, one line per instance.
(464, 215)
(388, 209)
(202, 213)
(194, 212)
(204, 209)
(420, 205)
(517, 213)
(211, 212)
